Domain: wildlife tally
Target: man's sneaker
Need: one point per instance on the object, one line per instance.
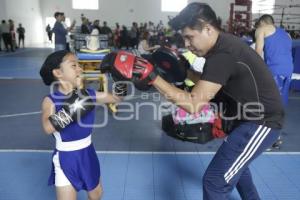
(276, 144)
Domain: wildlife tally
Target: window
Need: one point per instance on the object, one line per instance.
(173, 5)
(85, 4)
(263, 6)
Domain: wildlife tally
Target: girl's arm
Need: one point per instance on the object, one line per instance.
(48, 109)
(105, 97)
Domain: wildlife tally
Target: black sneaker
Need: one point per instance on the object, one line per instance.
(276, 145)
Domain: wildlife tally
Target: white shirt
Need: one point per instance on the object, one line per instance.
(141, 48)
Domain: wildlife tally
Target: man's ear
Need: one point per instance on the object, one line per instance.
(209, 28)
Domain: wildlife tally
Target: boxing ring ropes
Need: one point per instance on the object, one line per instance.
(242, 18)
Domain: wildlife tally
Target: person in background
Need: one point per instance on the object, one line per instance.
(117, 35)
(69, 29)
(0, 38)
(84, 29)
(275, 44)
(12, 34)
(21, 35)
(60, 32)
(6, 36)
(106, 30)
(124, 37)
(96, 25)
(49, 32)
(144, 48)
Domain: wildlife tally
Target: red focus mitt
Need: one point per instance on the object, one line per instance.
(125, 66)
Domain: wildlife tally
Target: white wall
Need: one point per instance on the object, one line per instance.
(26, 12)
(32, 13)
(124, 11)
(2, 10)
(290, 7)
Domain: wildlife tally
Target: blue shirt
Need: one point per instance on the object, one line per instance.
(60, 33)
(74, 131)
(278, 53)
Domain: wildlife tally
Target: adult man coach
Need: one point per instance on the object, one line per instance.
(238, 74)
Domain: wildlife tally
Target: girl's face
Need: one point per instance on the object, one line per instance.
(70, 71)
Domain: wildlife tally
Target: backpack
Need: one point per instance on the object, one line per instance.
(200, 127)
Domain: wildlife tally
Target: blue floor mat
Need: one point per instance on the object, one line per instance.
(21, 104)
(24, 63)
(147, 176)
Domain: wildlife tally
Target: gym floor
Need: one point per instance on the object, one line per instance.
(138, 160)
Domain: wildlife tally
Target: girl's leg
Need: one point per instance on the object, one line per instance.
(64, 188)
(96, 193)
(66, 193)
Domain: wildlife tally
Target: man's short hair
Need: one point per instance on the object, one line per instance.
(267, 19)
(56, 14)
(195, 16)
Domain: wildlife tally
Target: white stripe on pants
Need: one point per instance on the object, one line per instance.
(248, 152)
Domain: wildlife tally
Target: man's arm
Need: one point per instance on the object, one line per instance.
(72, 26)
(192, 102)
(193, 75)
(146, 46)
(259, 36)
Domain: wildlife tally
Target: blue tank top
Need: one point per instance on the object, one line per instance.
(278, 53)
(74, 131)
